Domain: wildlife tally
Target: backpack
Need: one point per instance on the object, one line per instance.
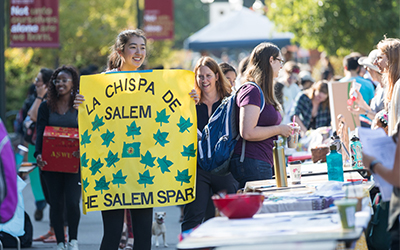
(8, 177)
(25, 240)
(220, 135)
(378, 238)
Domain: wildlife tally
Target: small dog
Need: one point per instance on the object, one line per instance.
(159, 228)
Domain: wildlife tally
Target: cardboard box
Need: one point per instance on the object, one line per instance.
(58, 145)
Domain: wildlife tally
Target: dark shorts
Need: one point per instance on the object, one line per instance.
(249, 170)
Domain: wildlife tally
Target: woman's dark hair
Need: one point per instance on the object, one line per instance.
(52, 94)
(226, 67)
(259, 70)
(321, 86)
(114, 59)
(46, 75)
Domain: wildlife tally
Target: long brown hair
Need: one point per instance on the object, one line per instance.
(52, 94)
(321, 86)
(114, 59)
(391, 48)
(222, 84)
(259, 70)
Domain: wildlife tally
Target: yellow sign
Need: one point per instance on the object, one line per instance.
(138, 139)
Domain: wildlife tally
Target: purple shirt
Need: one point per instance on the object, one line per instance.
(260, 150)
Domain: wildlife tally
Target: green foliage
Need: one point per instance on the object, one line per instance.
(336, 25)
(87, 31)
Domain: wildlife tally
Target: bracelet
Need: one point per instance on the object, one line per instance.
(372, 165)
(40, 98)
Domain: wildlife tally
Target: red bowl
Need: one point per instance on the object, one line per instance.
(236, 206)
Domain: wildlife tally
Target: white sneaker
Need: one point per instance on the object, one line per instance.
(61, 246)
(73, 245)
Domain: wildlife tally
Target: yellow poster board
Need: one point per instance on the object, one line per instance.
(138, 139)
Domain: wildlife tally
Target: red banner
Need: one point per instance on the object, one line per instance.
(34, 23)
(159, 19)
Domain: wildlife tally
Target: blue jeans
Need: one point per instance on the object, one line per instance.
(249, 170)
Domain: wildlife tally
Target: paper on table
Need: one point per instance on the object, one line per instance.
(376, 143)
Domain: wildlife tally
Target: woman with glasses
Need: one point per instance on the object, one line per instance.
(58, 111)
(258, 129)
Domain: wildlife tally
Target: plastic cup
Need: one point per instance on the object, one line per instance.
(347, 212)
(293, 138)
(295, 173)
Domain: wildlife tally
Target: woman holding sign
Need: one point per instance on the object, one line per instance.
(258, 129)
(62, 187)
(128, 54)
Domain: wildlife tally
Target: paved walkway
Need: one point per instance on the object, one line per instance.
(91, 227)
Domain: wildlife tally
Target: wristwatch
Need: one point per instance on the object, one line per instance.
(372, 165)
(40, 98)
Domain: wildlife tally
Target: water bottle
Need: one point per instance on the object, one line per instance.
(335, 164)
(20, 154)
(279, 164)
(355, 152)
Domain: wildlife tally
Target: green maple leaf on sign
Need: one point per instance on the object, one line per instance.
(184, 125)
(161, 137)
(164, 164)
(97, 123)
(147, 160)
(112, 159)
(183, 176)
(84, 161)
(101, 184)
(107, 138)
(85, 138)
(162, 117)
(119, 178)
(189, 151)
(132, 130)
(145, 178)
(96, 165)
(85, 184)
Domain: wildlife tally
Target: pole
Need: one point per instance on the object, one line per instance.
(139, 15)
(2, 62)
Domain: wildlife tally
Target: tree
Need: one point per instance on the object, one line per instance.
(336, 26)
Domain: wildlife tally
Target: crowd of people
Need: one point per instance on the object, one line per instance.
(290, 94)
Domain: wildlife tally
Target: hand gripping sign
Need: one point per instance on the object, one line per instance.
(138, 141)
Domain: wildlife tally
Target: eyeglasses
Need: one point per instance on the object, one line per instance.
(58, 81)
(279, 59)
(37, 80)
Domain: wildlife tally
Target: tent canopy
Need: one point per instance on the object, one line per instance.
(238, 29)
